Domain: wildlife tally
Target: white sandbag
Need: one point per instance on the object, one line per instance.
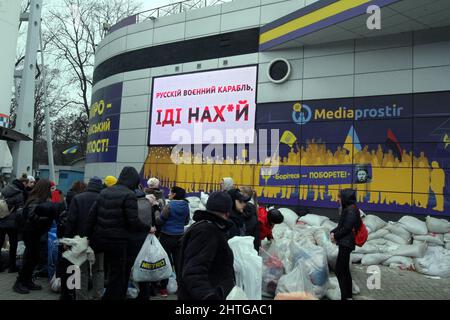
(446, 237)
(413, 250)
(431, 238)
(237, 294)
(279, 230)
(447, 245)
(380, 241)
(329, 225)
(356, 257)
(406, 262)
(373, 223)
(374, 258)
(333, 292)
(377, 234)
(435, 262)
(437, 225)
(290, 217)
(413, 225)
(399, 230)
(314, 219)
(322, 238)
(367, 248)
(247, 266)
(396, 239)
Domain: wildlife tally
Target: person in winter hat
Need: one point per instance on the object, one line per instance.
(237, 215)
(205, 269)
(227, 184)
(112, 219)
(172, 220)
(267, 220)
(31, 183)
(343, 236)
(110, 181)
(75, 226)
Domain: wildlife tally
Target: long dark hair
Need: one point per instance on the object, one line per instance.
(78, 186)
(41, 191)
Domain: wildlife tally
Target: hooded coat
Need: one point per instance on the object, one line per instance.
(205, 269)
(349, 220)
(79, 208)
(114, 216)
(228, 184)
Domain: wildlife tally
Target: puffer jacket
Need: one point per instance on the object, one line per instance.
(349, 220)
(79, 208)
(205, 269)
(174, 217)
(114, 216)
(15, 196)
(252, 224)
(238, 228)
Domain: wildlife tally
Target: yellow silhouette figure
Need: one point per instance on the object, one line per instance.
(437, 185)
(421, 184)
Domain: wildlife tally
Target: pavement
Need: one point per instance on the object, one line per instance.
(395, 285)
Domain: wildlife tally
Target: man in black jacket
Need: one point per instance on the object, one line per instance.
(343, 236)
(77, 217)
(205, 270)
(15, 196)
(111, 220)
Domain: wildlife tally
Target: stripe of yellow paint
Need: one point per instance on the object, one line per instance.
(310, 18)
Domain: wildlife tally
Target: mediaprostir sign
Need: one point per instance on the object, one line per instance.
(219, 102)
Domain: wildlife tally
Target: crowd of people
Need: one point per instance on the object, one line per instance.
(117, 215)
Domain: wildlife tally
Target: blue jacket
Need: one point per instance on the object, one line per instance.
(174, 217)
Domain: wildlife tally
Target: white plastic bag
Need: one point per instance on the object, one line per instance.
(437, 225)
(172, 286)
(356, 257)
(296, 281)
(247, 266)
(329, 225)
(436, 262)
(20, 248)
(400, 262)
(373, 223)
(237, 294)
(313, 219)
(55, 284)
(290, 217)
(413, 225)
(152, 263)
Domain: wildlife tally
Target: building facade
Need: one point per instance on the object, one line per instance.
(333, 103)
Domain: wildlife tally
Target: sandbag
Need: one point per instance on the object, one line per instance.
(290, 217)
(237, 294)
(437, 225)
(374, 258)
(356, 257)
(399, 230)
(414, 225)
(272, 270)
(396, 239)
(435, 262)
(431, 238)
(405, 262)
(329, 225)
(447, 245)
(447, 237)
(333, 292)
(380, 241)
(377, 234)
(280, 231)
(322, 238)
(247, 266)
(413, 250)
(373, 223)
(314, 219)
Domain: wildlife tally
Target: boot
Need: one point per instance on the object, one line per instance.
(33, 286)
(20, 288)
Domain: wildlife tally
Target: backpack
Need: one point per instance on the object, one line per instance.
(4, 210)
(361, 234)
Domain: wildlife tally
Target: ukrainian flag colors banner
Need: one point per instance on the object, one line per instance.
(394, 150)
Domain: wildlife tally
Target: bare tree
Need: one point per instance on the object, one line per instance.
(75, 32)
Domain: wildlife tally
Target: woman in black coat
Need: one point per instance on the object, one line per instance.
(38, 215)
(344, 237)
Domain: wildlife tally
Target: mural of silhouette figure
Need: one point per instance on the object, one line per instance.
(437, 185)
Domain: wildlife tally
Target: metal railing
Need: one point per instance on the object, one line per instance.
(177, 7)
